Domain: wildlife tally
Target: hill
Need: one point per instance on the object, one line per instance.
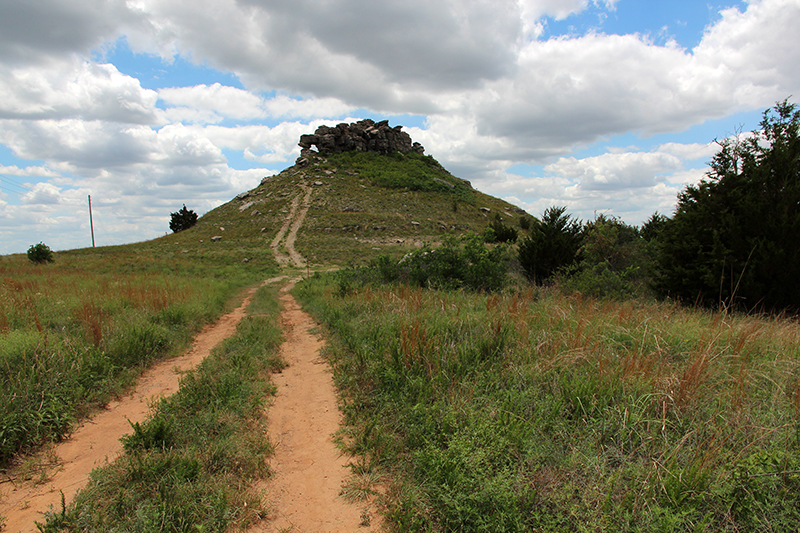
(355, 204)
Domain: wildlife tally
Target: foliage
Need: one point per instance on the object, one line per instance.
(77, 333)
(466, 262)
(498, 231)
(653, 226)
(733, 239)
(40, 253)
(613, 261)
(189, 467)
(182, 219)
(535, 411)
(553, 243)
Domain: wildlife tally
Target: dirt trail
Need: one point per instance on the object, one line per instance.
(291, 225)
(303, 493)
(96, 441)
(308, 470)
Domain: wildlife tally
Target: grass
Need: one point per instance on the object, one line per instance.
(534, 411)
(191, 467)
(78, 331)
(360, 203)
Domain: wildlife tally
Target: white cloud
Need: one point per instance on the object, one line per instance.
(213, 103)
(616, 170)
(216, 99)
(494, 94)
(74, 88)
(14, 170)
(283, 106)
(42, 193)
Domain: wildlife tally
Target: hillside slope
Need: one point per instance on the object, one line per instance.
(359, 204)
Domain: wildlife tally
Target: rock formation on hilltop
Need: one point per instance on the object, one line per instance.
(363, 136)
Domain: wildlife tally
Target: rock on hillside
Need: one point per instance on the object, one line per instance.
(382, 195)
(363, 136)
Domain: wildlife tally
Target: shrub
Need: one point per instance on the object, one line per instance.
(553, 244)
(733, 239)
(465, 263)
(497, 231)
(40, 253)
(183, 219)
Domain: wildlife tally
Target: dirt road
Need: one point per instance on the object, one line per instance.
(308, 470)
(96, 441)
(288, 232)
(303, 493)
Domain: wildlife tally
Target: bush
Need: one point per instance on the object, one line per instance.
(497, 231)
(553, 244)
(183, 219)
(613, 261)
(733, 239)
(468, 263)
(40, 253)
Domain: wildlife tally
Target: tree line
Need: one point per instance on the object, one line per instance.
(733, 241)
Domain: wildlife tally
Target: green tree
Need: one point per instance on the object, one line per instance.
(40, 253)
(653, 226)
(552, 244)
(613, 260)
(183, 219)
(733, 240)
(498, 231)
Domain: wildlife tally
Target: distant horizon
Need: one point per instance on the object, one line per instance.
(602, 106)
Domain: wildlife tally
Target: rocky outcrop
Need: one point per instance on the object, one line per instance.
(363, 136)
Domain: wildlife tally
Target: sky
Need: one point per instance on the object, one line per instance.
(602, 106)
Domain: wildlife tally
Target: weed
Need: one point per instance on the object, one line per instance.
(516, 411)
(189, 467)
(105, 314)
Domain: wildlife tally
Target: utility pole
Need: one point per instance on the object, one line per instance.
(91, 224)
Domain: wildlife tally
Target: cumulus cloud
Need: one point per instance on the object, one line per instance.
(74, 88)
(213, 103)
(216, 100)
(14, 170)
(35, 32)
(625, 170)
(42, 193)
(494, 92)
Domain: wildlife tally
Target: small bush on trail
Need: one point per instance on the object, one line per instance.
(40, 253)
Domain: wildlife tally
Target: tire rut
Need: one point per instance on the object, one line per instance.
(96, 441)
(291, 225)
(308, 471)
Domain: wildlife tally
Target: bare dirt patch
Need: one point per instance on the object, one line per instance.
(289, 230)
(303, 493)
(96, 442)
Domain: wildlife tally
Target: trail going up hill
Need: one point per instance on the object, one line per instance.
(362, 189)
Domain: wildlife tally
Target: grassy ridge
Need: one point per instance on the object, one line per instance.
(536, 411)
(191, 466)
(78, 331)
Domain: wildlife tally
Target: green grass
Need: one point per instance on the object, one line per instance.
(78, 331)
(362, 204)
(192, 465)
(533, 411)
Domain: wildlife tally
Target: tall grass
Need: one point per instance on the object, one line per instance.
(191, 466)
(76, 332)
(536, 411)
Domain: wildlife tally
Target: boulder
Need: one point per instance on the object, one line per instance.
(363, 136)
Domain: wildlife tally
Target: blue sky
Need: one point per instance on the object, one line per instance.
(605, 106)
